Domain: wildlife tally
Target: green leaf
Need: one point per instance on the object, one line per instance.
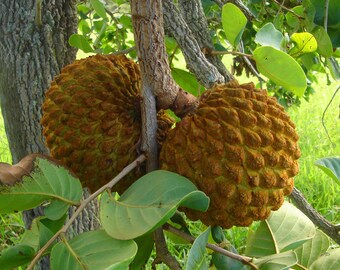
(48, 228)
(148, 204)
(93, 251)
(187, 81)
(197, 253)
(223, 262)
(330, 166)
(329, 260)
(292, 20)
(47, 182)
(285, 229)
(281, 69)
(99, 8)
(56, 210)
(80, 42)
(325, 47)
(145, 245)
(262, 242)
(290, 227)
(303, 43)
(311, 250)
(268, 35)
(233, 22)
(16, 256)
(277, 261)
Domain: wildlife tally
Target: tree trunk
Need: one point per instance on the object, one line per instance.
(33, 48)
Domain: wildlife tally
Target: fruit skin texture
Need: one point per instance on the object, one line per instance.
(91, 119)
(240, 148)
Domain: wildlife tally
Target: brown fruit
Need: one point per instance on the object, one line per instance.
(91, 119)
(240, 148)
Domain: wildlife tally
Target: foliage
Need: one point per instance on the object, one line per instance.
(295, 38)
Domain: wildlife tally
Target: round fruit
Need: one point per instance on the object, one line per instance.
(91, 119)
(240, 148)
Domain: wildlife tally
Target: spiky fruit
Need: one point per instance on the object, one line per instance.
(240, 148)
(91, 118)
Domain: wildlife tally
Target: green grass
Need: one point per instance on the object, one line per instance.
(320, 190)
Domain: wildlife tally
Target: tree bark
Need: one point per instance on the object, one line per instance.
(33, 48)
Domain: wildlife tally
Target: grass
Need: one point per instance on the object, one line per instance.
(318, 188)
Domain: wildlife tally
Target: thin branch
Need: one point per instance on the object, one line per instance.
(288, 9)
(325, 22)
(246, 11)
(324, 113)
(83, 204)
(250, 65)
(163, 255)
(333, 231)
(229, 52)
(243, 259)
(126, 51)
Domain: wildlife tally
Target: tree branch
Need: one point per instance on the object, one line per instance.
(193, 14)
(243, 259)
(157, 83)
(206, 73)
(333, 231)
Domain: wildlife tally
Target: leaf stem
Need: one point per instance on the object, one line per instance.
(243, 259)
(83, 204)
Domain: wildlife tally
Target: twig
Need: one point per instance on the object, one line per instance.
(333, 231)
(126, 51)
(289, 10)
(231, 52)
(324, 113)
(85, 202)
(325, 22)
(163, 255)
(243, 259)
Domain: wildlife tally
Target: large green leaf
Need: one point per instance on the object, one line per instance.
(262, 242)
(187, 81)
(331, 166)
(329, 261)
(47, 182)
(311, 250)
(281, 69)
(80, 42)
(325, 47)
(290, 227)
(285, 229)
(277, 261)
(303, 43)
(268, 35)
(148, 204)
(233, 22)
(94, 250)
(15, 256)
(197, 254)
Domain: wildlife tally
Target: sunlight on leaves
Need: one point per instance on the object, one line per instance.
(281, 69)
(233, 22)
